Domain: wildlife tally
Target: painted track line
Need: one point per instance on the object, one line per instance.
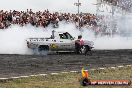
(101, 68)
(54, 73)
(4, 79)
(73, 71)
(120, 66)
(113, 67)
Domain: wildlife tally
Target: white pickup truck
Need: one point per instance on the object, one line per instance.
(59, 41)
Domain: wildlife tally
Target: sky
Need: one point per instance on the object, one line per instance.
(52, 5)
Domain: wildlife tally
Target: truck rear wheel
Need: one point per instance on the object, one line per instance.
(43, 49)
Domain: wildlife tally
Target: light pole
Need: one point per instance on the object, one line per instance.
(78, 4)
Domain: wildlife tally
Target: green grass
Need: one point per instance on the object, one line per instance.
(69, 80)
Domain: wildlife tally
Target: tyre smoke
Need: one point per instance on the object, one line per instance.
(13, 39)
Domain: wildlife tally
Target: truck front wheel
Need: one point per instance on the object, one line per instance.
(82, 49)
(86, 49)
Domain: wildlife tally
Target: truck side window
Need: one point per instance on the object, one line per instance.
(68, 36)
(62, 36)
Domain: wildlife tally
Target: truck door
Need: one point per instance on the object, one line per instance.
(66, 42)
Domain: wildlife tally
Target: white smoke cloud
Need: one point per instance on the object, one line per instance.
(13, 39)
(107, 43)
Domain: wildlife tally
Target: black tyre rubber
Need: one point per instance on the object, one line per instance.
(87, 49)
(79, 49)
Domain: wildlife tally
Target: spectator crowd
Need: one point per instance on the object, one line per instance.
(44, 18)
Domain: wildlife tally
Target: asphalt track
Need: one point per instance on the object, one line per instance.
(19, 65)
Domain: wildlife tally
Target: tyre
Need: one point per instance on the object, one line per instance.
(43, 49)
(86, 49)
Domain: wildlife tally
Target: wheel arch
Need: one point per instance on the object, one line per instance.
(43, 47)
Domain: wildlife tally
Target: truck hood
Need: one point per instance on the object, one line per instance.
(90, 43)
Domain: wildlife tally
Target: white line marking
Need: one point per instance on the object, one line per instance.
(23, 76)
(129, 65)
(33, 75)
(14, 77)
(113, 67)
(54, 73)
(42, 74)
(73, 71)
(4, 78)
(64, 72)
(102, 68)
(120, 66)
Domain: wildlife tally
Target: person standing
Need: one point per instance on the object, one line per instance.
(79, 43)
